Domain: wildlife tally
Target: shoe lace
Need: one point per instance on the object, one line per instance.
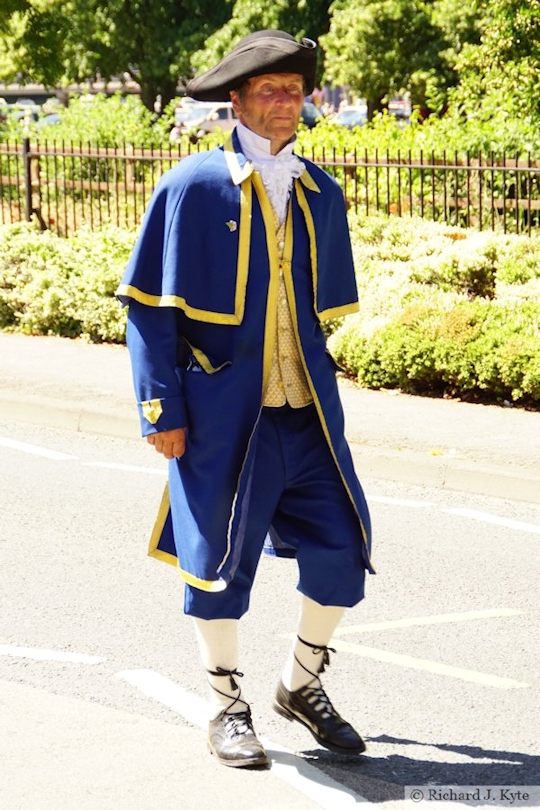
(232, 674)
(318, 700)
(315, 695)
(238, 723)
(316, 650)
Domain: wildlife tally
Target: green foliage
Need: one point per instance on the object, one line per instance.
(451, 135)
(467, 266)
(481, 60)
(66, 287)
(443, 311)
(308, 18)
(101, 120)
(383, 47)
(10, 7)
(500, 75)
(61, 41)
(113, 121)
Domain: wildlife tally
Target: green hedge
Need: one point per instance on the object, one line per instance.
(55, 286)
(443, 311)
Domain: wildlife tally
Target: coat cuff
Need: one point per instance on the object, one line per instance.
(157, 415)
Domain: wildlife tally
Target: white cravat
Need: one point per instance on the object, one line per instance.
(277, 171)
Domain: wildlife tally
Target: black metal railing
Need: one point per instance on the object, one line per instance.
(65, 186)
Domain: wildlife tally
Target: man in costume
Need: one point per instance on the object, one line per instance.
(243, 253)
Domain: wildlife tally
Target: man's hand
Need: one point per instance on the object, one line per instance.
(170, 443)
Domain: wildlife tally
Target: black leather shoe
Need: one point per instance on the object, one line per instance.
(233, 742)
(311, 706)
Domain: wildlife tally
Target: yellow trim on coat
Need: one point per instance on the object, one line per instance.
(204, 361)
(164, 556)
(308, 181)
(289, 286)
(163, 511)
(242, 269)
(270, 325)
(152, 410)
(267, 211)
(310, 225)
(333, 312)
(339, 312)
(208, 316)
(244, 242)
(211, 585)
(273, 283)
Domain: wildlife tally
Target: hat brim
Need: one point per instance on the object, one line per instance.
(255, 57)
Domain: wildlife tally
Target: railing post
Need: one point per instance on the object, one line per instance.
(27, 161)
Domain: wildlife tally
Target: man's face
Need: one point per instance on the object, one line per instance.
(270, 105)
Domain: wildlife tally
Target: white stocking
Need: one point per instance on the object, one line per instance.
(218, 647)
(316, 626)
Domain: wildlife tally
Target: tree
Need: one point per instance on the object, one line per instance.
(501, 74)
(461, 25)
(383, 47)
(61, 41)
(309, 18)
(8, 9)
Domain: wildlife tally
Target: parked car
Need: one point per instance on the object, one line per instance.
(49, 120)
(200, 118)
(400, 108)
(351, 117)
(25, 113)
(311, 115)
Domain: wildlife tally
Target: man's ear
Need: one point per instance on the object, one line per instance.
(235, 99)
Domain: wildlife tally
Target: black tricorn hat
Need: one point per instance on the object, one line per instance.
(261, 52)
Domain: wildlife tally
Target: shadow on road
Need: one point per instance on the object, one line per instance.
(383, 778)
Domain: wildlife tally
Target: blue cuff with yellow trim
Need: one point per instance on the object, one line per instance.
(157, 415)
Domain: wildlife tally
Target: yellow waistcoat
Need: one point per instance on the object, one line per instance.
(287, 383)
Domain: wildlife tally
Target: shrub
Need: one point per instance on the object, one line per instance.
(443, 311)
(55, 286)
(101, 120)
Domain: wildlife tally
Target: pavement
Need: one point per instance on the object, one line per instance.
(95, 757)
(484, 449)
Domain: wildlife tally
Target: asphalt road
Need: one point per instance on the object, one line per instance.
(100, 687)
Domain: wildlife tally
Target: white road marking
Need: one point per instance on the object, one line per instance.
(420, 663)
(414, 621)
(474, 514)
(399, 501)
(425, 665)
(37, 654)
(192, 708)
(486, 517)
(286, 765)
(314, 784)
(124, 467)
(34, 450)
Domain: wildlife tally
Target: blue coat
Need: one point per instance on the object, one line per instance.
(202, 286)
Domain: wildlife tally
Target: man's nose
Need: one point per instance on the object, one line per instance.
(283, 96)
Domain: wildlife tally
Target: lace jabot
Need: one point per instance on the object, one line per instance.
(277, 171)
